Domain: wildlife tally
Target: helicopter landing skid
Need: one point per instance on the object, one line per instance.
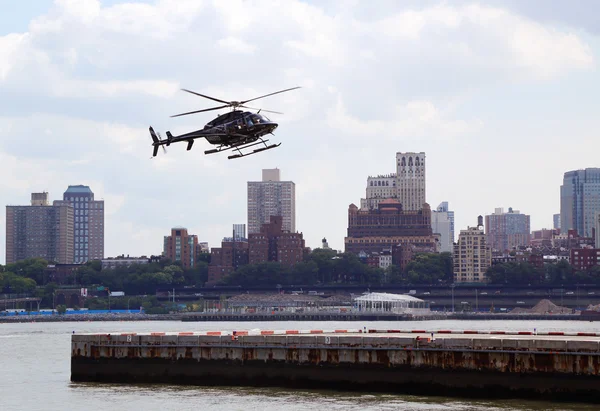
(255, 151)
(237, 146)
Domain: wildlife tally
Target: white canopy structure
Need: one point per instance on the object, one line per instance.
(391, 303)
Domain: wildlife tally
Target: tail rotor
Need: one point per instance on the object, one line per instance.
(156, 142)
(162, 146)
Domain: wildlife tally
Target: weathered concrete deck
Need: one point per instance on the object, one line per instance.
(482, 365)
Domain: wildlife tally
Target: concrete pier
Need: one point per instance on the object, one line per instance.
(559, 367)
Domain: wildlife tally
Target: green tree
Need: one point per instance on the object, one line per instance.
(306, 272)
(12, 283)
(198, 275)
(34, 268)
(394, 275)
(558, 273)
(326, 262)
(514, 273)
(430, 268)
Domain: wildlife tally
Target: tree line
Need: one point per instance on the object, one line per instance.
(552, 273)
(321, 267)
(324, 267)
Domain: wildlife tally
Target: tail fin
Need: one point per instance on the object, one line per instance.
(156, 142)
(153, 135)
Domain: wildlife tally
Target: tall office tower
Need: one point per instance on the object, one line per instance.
(181, 247)
(407, 185)
(88, 223)
(410, 180)
(580, 201)
(271, 197)
(556, 221)
(239, 231)
(39, 231)
(442, 222)
(472, 256)
(505, 231)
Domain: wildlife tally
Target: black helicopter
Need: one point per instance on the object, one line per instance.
(235, 130)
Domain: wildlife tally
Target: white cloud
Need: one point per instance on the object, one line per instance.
(236, 45)
(415, 119)
(494, 35)
(84, 10)
(80, 88)
(88, 89)
(549, 52)
(9, 47)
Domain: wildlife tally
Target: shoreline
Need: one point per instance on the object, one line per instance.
(223, 317)
(88, 317)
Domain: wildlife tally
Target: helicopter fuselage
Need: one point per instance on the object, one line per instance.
(230, 128)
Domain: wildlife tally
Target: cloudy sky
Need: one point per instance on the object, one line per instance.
(501, 95)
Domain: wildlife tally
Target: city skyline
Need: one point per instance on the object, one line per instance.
(494, 94)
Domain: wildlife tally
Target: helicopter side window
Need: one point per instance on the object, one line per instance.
(249, 122)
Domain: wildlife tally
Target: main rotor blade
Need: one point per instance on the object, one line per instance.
(267, 95)
(200, 111)
(208, 97)
(262, 109)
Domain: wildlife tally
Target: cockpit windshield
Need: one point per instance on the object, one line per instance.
(253, 119)
(258, 119)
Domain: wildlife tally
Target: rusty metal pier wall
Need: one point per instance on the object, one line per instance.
(564, 368)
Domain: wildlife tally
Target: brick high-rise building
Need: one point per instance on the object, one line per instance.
(387, 226)
(273, 243)
(88, 223)
(472, 256)
(181, 247)
(505, 231)
(271, 197)
(225, 260)
(582, 259)
(406, 185)
(39, 231)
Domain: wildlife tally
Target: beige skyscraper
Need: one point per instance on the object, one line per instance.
(271, 197)
(406, 185)
(410, 180)
(472, 256)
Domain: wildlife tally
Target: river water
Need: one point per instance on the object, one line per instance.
(35, 373)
